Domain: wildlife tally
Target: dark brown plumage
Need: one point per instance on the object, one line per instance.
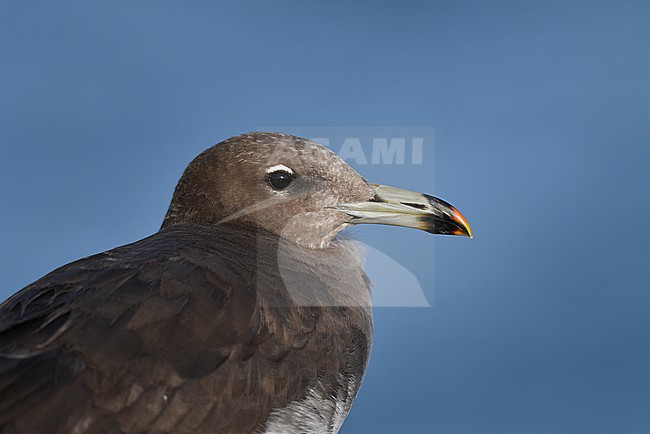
(244, 313)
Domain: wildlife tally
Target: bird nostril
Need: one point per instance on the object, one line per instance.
(414, 205)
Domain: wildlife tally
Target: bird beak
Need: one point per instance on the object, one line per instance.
(398, 207)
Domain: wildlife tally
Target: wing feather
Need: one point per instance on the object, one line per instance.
(180, 332)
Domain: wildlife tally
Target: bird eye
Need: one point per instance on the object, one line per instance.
(280, 179)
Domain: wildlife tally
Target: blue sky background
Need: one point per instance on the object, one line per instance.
(541, 117)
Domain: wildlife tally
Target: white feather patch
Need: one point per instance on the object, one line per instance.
(316, 413)
(280, 167)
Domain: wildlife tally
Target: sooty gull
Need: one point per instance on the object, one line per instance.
(244, 313)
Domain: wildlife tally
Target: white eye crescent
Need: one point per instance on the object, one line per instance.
(280, 168)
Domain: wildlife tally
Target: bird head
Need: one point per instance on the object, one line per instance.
(298, 190)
